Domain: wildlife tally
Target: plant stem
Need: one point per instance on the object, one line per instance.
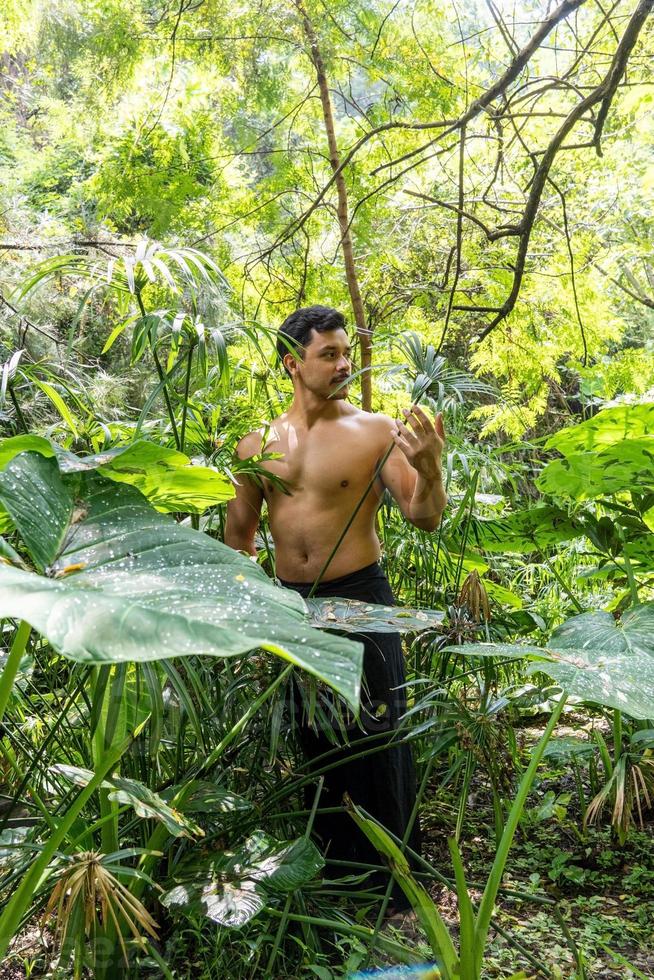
(400, 952)
(162, 377)
(617, 735)
(10, 670)
(158, 837)
(405, 839)
(565, 588)
(631, 579)
(18, 410)
(187, 387)
(289, 898)
(236, 730)
(497, 870)
(40, 752)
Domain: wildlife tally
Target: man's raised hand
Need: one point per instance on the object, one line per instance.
(422, 443)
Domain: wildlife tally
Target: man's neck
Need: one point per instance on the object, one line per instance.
(306, 408)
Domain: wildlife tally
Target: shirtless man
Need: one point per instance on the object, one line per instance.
(329, 452)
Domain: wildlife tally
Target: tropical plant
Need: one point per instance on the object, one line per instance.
(589, 657)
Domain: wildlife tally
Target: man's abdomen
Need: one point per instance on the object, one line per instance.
(305, 529)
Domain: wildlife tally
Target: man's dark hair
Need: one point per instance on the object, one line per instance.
(295, 332)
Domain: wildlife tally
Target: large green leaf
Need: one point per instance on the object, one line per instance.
(165, 476)
(23, 444)
(611, 426)
(232, 887)
(626, 465)
(594, 658)
(600, 632)
(352, 616)
(130, 584)
(39, 503)
(145, 802)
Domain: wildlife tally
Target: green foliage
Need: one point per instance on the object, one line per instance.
(610, 453)
(234, 886)
(146, 804)
(594, 658)
(165, 476)
(536, 529)
(131, 368)
(609, 427)
(173, 591)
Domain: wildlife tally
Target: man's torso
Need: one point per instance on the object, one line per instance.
(326, 470)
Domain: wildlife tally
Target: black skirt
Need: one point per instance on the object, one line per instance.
(383, 783)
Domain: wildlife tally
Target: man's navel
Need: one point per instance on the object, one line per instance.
(345, 483)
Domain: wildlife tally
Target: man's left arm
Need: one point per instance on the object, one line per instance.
(413, 471)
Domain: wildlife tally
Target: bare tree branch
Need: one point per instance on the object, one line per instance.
(605, 88)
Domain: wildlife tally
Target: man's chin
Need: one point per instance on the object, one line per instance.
(341, 393)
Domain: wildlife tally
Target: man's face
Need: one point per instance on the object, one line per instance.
(326, 363)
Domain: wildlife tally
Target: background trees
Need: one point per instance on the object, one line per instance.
(481, 175)
(472, 184)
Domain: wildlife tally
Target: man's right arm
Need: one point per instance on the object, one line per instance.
(244, 510)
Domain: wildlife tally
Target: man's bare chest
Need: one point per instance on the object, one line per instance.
(324, 463)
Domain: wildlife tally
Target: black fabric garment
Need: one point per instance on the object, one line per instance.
(384, 783)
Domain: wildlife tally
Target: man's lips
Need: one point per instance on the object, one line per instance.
(344, 377)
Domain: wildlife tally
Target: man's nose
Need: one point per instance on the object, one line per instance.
(344, 363)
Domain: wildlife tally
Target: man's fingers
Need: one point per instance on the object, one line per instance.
(402, 444)
(423, 418)
(404, 431)
(413, 421)
(440, 427)
(400, 440)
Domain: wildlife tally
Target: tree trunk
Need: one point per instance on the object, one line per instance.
(364, 333)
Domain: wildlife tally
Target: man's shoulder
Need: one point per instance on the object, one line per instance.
(373, 421)
(255, 442)
(249, 445)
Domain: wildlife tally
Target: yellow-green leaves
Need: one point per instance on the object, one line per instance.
(610, 453)
(165, 476)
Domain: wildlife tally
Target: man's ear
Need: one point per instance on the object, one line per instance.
(290, 363)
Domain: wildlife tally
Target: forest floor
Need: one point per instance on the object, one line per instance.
(604, 893)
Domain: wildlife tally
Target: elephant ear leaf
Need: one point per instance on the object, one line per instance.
(234, 886)
(150, 805)
(122, 582)
(352, 616)
(40, 504)
(633, 634)
(594, 658)
(165, 476)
